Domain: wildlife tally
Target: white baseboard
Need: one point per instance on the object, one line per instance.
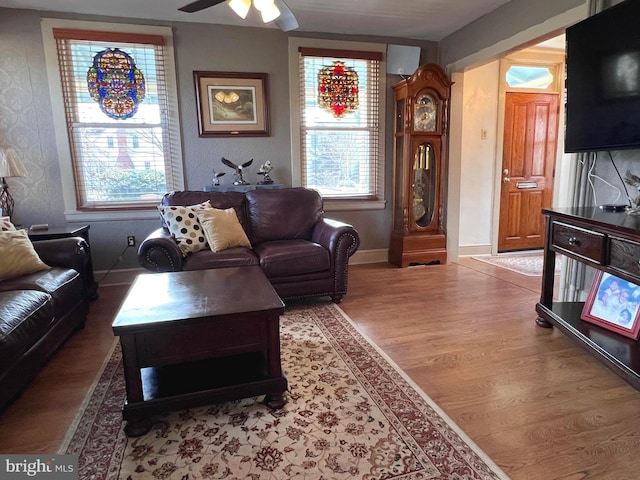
(472, 250)
(126, 276)
(369, 256)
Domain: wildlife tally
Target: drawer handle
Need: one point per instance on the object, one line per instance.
(573, 241)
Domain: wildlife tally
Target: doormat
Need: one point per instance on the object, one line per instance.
(525, 264)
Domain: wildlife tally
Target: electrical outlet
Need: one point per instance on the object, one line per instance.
(131, 240)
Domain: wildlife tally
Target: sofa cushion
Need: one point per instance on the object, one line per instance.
(222, 229)
(26, 316)
(63, 285)
(231, 257)
(18, 255)
(184, 226)
(292, 257)
(285, 214)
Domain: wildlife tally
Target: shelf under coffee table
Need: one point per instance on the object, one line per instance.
(198, 337)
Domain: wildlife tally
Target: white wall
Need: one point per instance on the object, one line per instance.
(477, 173)
(509, 26)
(515, 25)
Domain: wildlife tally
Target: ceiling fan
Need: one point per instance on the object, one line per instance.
(271, 10)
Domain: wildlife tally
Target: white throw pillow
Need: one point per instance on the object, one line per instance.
(184, 226)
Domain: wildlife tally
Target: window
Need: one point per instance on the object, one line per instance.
(522, 76)
(340, 152)
(117, 160)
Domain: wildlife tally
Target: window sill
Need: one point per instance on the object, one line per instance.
(331, 205)
(107, 216)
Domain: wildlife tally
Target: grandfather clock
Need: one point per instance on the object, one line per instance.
(420, 168)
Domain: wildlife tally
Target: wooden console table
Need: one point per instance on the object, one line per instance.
(606, 241)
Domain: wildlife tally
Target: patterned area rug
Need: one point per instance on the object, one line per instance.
(351, 414)
(526, 264)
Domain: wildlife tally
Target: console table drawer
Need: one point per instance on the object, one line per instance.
(583, 243)
(624, 256)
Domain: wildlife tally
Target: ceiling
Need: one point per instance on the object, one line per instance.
(416, 19)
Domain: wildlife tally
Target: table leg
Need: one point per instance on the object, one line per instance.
(273, 346)
(275, 400)
(548, 275)
(137, 424)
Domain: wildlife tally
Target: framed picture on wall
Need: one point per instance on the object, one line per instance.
(613, 304)
(232, 104)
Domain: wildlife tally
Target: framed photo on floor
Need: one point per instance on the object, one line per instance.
(232, 104)
(613, 304)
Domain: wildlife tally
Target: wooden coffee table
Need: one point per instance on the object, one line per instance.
(199, 337)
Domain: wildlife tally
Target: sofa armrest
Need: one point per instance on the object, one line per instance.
(70, 252)
(336, 237)
(159, 252)
(342, 241)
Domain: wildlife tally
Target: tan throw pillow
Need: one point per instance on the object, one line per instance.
(222, 229)
(184, 226)
(17, 255)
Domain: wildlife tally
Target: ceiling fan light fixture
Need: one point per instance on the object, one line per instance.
(270, 13)
(241, 7)
(262, 4)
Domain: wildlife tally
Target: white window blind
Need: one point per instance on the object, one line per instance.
(340, 157)
(117, 163)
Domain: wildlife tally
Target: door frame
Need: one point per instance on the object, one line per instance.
(531, 57)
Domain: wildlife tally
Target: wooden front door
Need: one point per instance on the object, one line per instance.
(528, 161)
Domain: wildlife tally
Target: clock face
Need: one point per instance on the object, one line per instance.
(425, 114)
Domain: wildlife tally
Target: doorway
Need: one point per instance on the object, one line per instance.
(478, 123)
(528, 160)
(527, 147)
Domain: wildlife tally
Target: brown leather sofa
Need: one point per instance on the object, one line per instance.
(301, 252)
(39, 311)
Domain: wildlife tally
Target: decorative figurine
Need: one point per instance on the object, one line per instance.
(265, 168)
(216, 177)
(237, 177)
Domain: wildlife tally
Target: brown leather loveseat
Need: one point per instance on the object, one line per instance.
(39, 311)
(301, 252)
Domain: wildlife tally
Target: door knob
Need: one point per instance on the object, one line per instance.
(506, 178)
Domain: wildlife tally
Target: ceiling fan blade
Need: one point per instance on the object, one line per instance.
(286, 21)
(199, 5)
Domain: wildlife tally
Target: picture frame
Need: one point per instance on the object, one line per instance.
(613, 304)
(232, 104)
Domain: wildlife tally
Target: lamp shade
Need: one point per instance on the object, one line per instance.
(241, 7)
(270, 13)
(10, 166)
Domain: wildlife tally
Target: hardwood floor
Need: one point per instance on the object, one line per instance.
(540, 407)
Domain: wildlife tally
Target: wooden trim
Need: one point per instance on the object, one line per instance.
(97, 36)
(329, 52)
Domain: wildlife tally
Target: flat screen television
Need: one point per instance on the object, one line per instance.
(603, 81)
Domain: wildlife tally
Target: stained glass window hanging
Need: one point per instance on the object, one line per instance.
(116, 83)
(338, 89)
